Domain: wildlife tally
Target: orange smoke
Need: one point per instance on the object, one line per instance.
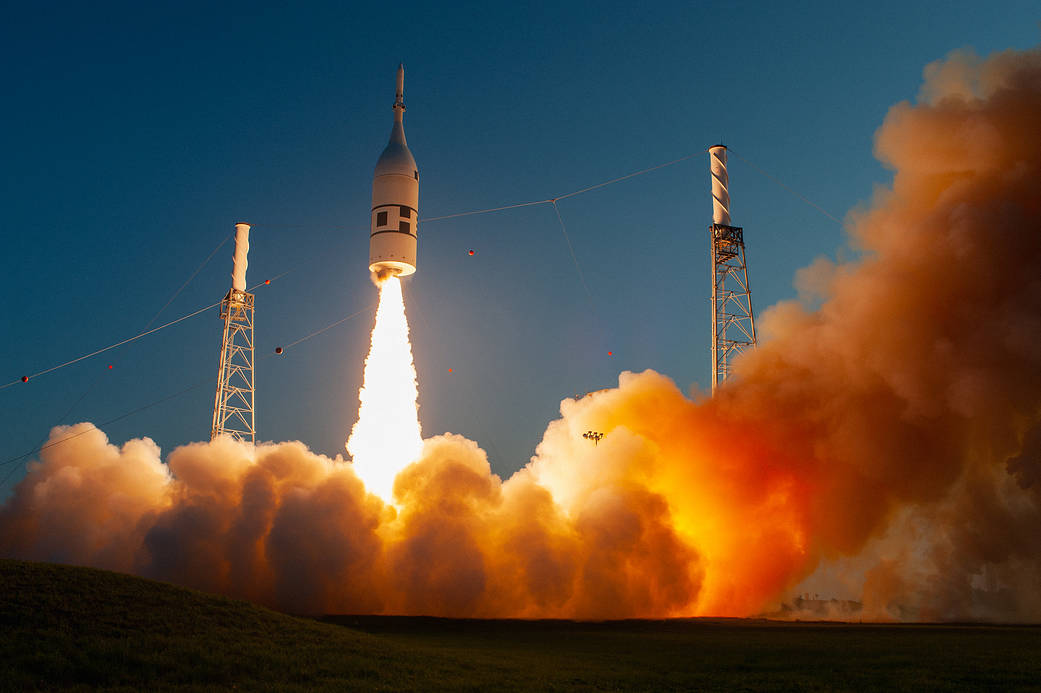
(889, 440)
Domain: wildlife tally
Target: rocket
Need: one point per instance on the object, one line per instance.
(395, 200)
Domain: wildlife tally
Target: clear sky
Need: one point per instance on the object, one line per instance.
(135, 134)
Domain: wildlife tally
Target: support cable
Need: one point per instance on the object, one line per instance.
(98, 426)
(132, 339)
(776, 180)
(40, 445)
(574, 258)
(97, 378)
(330, 326)
(553, 200)
(485, 211)
(189, 279)
(631, 175)
(634, 174)
(167, 398)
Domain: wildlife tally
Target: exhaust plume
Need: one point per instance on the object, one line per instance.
(887, 443)
(386, 437)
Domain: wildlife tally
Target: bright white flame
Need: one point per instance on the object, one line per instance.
(386, 438)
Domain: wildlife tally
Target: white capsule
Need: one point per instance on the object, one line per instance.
(395, 200)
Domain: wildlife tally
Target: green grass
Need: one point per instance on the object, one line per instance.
(732, 654)
(65, 627)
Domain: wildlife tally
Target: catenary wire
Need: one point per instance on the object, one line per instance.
(103, 423)
(485, 211)
(94, 381)
(331, 325)
(188, 280)
(551, 201)
(167, 398)
(630, 175)
(574, 258)
(134, 338)
(776, 180)
(39, 446)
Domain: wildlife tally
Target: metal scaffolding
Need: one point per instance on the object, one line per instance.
(233, 406)
(733, 323)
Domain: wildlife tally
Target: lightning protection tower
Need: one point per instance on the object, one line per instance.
(233, 406)
(733, 323)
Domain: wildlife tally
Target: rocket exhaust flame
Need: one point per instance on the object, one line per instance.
(889, 441)
(386, 437)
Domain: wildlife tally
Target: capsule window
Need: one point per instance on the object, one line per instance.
(404, 226)
(406, 213)
(381, 218)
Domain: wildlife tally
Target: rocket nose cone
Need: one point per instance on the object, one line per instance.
(396, 159)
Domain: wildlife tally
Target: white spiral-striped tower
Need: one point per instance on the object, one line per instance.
(733, 323)
(717, 163)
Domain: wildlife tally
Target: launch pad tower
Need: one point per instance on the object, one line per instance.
(733, 323)
(233, 412)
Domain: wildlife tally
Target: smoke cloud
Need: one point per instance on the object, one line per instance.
(887, 442)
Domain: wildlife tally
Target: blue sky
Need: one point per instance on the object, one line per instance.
(136, 134)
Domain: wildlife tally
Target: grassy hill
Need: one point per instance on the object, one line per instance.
(66, 627)
(62, 626)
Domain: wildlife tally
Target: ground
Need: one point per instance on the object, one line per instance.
(65, 627)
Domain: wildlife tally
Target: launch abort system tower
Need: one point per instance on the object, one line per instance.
(233, 413)
(733, 324)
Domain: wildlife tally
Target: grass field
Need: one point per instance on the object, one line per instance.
(65, 627)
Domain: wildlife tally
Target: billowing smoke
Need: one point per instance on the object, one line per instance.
(283, 526)
(887, 440)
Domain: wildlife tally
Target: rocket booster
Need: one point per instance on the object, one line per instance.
(395, 200)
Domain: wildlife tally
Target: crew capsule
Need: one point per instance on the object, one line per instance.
(395, 200)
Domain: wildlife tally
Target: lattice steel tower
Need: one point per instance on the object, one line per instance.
(733, 323)
(233, 406)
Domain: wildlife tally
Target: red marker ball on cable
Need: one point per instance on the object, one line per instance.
(110, 366)
(267, 281)
(610, 353)
(471, 252)
(278, 350)
(25, 378)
